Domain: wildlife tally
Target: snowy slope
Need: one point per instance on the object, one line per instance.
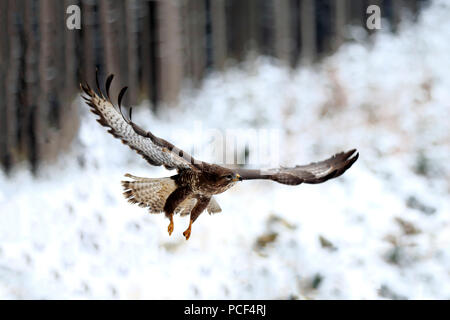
(380, 231)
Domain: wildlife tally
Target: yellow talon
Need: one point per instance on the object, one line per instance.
(170, 227)
(187, 233)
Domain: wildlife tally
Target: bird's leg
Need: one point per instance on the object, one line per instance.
(187, 232)
(170, 227)
(172, 202)
(202, 203)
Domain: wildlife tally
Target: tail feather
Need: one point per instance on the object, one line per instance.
(148, 193)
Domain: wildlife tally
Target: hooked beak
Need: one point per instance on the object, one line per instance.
(237, 177)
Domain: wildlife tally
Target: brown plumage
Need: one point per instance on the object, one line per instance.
(191, 190)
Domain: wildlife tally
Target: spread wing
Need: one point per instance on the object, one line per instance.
(316, 172)
(155, 150)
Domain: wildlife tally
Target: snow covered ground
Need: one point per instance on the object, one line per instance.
(382, 230)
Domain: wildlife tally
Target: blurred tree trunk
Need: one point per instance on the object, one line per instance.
(308, 31)
(147, 49)
(132, 49)
(357, 13)
(111, 39)
(340, 13)
(170, 63)
(252, 28)
(69, 113)
(48, 109)
(5, 110)
(193, 20)
(218, 33)
(325, 27)
(88, 30)
(70, 55)
(235, 19)
(14, 80)
(32, 83)
(266, 27)
(282, 31)
(120, 14)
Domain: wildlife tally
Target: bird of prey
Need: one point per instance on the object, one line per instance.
(192, 189)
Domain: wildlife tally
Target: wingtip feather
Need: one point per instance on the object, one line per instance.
(108, 85)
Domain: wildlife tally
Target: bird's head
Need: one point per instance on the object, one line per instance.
(219, 179)
(226, 179)
(230, 177)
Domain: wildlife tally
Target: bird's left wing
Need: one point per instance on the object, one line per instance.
(155, 150)
(315, 172)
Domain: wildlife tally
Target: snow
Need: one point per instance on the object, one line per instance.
(384, 224)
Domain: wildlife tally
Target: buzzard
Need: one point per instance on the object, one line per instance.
(192, 189)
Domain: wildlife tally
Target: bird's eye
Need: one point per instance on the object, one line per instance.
(229, 177)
